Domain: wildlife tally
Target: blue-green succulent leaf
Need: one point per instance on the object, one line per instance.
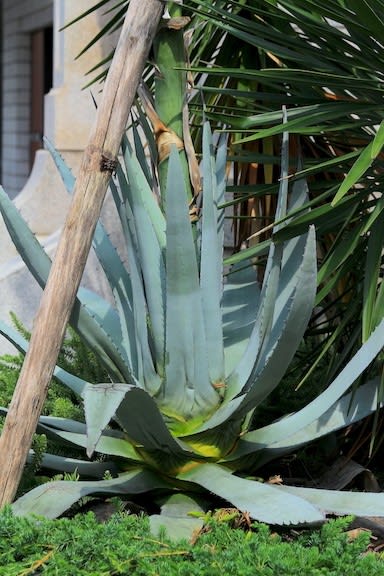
(258, 345)
(63, 168)
(132, 407)
(260, 500)
(282, 199)
(150, 249)
(70, 465)
(147, 376)
(66, 424)
(239, 307)
(108, 445)
(54, 498)
(106, 345)
(288, 328)
(339, 502)
(175, 517)
(28, 246)
(143, 423)
(120, 284)
(101, 402)
(351, 408)
(142, 156)
(147, 196)
(110, 442)
(187, 388)
(289, 323)
(115, 272)
(221, 175)
(82, 319)
(211, 262)
(281, 430)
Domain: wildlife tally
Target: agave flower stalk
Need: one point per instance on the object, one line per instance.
(191, 355)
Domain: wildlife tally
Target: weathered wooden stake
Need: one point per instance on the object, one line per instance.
(141, 22)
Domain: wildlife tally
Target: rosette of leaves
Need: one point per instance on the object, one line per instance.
(191, 353)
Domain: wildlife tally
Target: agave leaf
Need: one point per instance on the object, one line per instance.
(118, 277)
(102, 335)
(54, 498)
(143, 423)
(282, 199)
(142, 156)
(351, 408)
(147, 197)
(239, 307)
(66, 424)
(221, 177)
(181, 504)
(187, 389)
(150, 249)
(287, 331)
(115, 272)
(175, 519)
(28, 246)
(76, 433)
(259, 339)
(100, 404)
(211, 267)
(109, 443)
(294, 304)
(260, 500)
(139, 417)
(294, 248)
(340, 502)
(83, 320)
(282, 429)
(70, 465)
(121, 287)
(63, 168)
(146, 374)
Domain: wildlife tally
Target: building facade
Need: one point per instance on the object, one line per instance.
(42, 93)
(41, 81)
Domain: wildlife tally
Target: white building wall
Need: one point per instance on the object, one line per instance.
(20, 18)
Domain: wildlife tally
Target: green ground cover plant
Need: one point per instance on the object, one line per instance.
(61, 402)
(124, 545)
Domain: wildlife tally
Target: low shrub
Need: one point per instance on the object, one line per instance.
(124, 545)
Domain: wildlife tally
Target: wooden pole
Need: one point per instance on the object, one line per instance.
(139, 29)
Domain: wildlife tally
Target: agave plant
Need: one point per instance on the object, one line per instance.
(324, 62)
(191, 354)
